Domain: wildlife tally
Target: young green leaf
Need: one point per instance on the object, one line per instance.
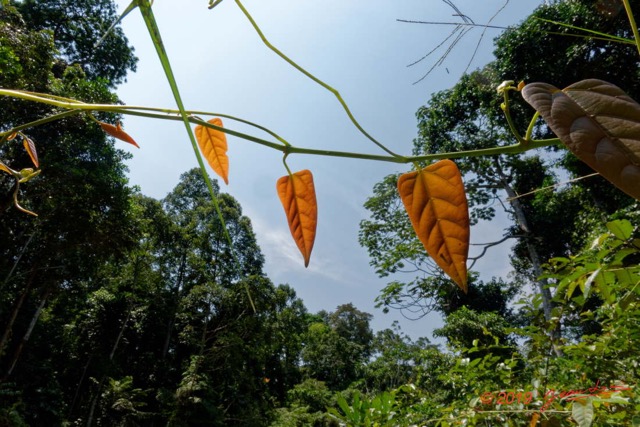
(599, 123)
(435, 200)
(298, 197)
(213, 145)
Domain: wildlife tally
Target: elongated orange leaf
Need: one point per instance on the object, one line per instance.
(298, 197)
(213, 144)
(599, 123)
(435, 200)
(117, 132)
(31, 149)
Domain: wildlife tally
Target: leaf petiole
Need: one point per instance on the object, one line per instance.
(527, 136)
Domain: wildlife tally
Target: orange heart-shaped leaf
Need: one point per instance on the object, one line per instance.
(298, 196)
(435, 200)
(117, 132)
(599, 123)
(31, 149)
(213, 144)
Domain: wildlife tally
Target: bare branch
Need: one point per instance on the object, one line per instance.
(461, 29)
(486, 247)
(458, 24)
(552, 186)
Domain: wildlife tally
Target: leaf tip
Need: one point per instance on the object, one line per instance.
(119, 133)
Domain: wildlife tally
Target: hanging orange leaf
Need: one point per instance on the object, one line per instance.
(435, 200)
(599, 123)
(298, 197)
(117, 132)
(31, 149)
(213, 144)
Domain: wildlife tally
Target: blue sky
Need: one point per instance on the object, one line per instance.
(360, 49)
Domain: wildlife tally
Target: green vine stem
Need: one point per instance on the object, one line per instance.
(504, 89)
(527, 136)
(171, 114)
(314, 78)
(595, 35)
(154, 32)
(632, 22)
(43, 121)
(284, 162)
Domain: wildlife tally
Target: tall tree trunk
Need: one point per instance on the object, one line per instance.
(27, 335)
(176, 292)
(95, 399)
(79, 387)
(167, 338)
(14, 314)
(17, 261)
(94, 402)
(534, 256)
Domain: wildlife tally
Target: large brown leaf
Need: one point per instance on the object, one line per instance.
(435, 200)
(298, 196)
(599, 123)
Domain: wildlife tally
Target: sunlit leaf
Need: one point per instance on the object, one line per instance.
(213, 144)
(435, 200)
(599, 123)
(31, 150)
(298, 196)
(117, 132)
(582, 413)
(622, 229)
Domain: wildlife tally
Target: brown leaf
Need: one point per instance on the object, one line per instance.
(534, 419)
(298, 197)
(117, 132)
(599, 123)
(435, 200)
(213, 144)
(6, 169)
(31, 149)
